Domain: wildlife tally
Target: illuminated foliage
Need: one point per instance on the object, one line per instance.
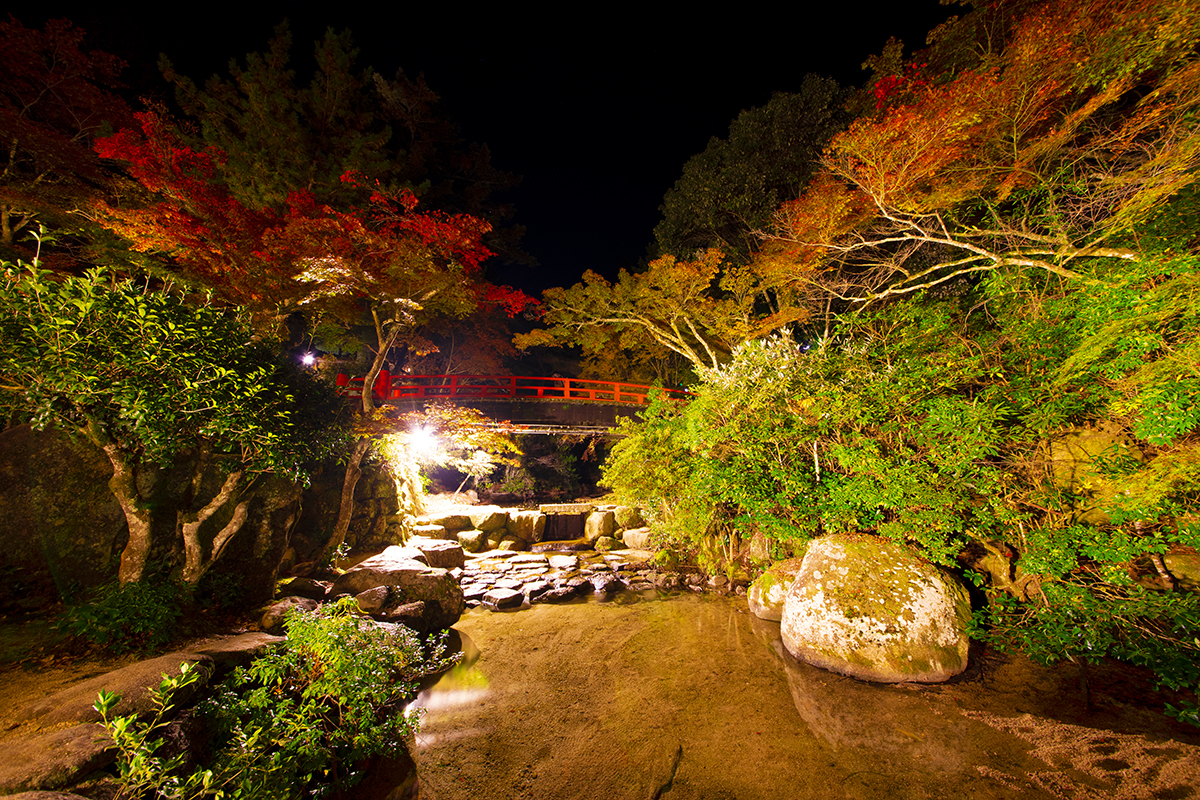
(1040, 156)
(677, 305)
(157, 384)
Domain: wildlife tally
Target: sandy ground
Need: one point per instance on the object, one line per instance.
(695, 698)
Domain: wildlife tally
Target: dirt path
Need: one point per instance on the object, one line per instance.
(694, 698)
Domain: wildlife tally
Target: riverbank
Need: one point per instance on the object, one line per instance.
(693, 697)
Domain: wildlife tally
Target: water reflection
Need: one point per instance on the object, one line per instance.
(612, 699)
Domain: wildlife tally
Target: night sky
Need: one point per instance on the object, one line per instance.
(598, 114)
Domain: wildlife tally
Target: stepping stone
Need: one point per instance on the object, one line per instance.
(605, 584)
(475, 592)
(537, 588)
(498, 599)
(559, 595)
(564, 562)
(528, 558)
(508, 583)
(505, 554)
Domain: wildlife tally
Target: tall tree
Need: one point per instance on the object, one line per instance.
(1036, 160)
(732, 189)
(331, 229)
(347, 119)
(56, 97)
(685, 307)
(156, 384)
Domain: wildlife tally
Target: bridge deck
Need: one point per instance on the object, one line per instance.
(518, 403)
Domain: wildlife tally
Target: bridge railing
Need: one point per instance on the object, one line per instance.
(499, 387)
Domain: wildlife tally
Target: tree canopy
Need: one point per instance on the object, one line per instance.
(732, 189)
(56, 98)
(152, 380)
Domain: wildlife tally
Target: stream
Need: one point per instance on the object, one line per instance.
(694, 697)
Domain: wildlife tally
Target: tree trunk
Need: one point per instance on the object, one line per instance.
(346, 508)
(123, 484)
(195, 563)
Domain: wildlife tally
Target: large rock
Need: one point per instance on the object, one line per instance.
(54, 760)
(527, 525)
(1077, 461)
(637, 538)
(450, 520)
(412, 581)
(600, 523)
(439, 552)
(133, 683)
(60, 526)
(488, 518)
(870, 609)
(768, 591)
(1185, 568)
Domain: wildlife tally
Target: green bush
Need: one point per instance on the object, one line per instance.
(931, 421)
(301, 721)
(123, 618)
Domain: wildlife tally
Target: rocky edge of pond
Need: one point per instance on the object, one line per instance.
(58, 742)
(853, 604)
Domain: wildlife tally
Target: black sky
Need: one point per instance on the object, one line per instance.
(596, 107)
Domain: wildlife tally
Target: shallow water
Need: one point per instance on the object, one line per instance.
(693, 697)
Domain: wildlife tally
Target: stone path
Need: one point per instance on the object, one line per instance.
(500, 579)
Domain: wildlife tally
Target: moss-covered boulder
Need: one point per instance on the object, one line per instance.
(766, 594)
(628, 517)
(871, 609)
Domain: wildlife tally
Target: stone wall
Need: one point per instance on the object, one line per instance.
(60, 526)
(376, 523)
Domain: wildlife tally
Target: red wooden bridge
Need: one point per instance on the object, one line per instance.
(527, 404)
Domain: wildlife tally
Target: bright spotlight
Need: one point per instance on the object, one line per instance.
(308, 359)
(423, 441)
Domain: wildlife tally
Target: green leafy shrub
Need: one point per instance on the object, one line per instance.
(140, 770)
(300, 721)
(126, 617)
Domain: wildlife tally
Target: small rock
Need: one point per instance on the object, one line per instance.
(564, 562)
(472, 540)
(606, 543)
(305, 587)
(415, 615)
(667, 580)
(513, 544)
(536, 559)
(535, 588)
(432, 531)
(372, 600)
(605, 584)
(637, 539)
(768, 591)
(556, 595)
(488, 518)
(475, 592)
